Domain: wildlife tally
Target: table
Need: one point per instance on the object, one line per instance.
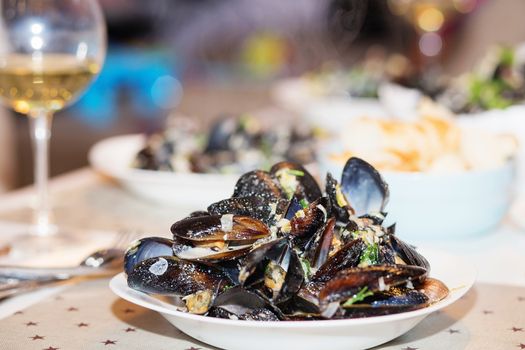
(491, 316)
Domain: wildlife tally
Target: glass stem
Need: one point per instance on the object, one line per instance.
(41, 133)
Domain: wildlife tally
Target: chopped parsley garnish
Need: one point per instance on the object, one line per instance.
(304, 203)
(305, 264)
(359, 296)
(295, 172)
(370, 255)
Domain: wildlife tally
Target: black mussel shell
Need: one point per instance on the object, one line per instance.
(220, 134)
(259, 208)
(169, 275)
(210, 228)
(243, 304)
(408, 254)
(196, 214)
(255, 266)
(364, 187)
(346, 257)
(318, 250)
(313, 217)
(187, 250)
(349, 282)
(258, 183)
(306, 186)
(146, 248)
(339, 204)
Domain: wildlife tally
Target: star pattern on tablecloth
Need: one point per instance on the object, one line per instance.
(37, 337)
(452, 331)
(516, 329)
(521, 298)
(109, 342)
(521, 346)
(409, 348)
(192, 348)
(19, 313)
(487, 312)
(31, 323)
(82, 324)
(72, 309)
(129, 329)
(51, 348)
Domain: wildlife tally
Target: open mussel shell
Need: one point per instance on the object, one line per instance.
(189, 251)
(308, 221)
(364, 187)
(339, 204)
(350, 282)
(169, 275)
(256, 207)
(296, 180)
(258, 183)
(346, 257)
(220, 228)
(407, 253)
(146, 248)
(240, 303)
(274, 269)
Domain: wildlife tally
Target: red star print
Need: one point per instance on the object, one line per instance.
(486, 312)
(37, 337)
(192, 348)
(108, 342)
(72, 309)
(129, 329)
(452, 331)
(51, 348)
(31, 323)
(521, 346)
(516, 329)
(129, 311)
(409, 348)
(18, 313)
(82, 324)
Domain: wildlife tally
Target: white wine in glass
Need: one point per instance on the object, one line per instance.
(50, 51)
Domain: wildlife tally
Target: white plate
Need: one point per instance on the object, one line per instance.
(114, 156)
(362, 333)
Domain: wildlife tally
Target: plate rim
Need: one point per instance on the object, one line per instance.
(119, 286)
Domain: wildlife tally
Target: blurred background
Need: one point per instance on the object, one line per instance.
(206, 57)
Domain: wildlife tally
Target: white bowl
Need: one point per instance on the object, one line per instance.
(114, 156)
(434, 206)
(351, 334)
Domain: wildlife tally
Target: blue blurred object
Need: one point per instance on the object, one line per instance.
(147, 78)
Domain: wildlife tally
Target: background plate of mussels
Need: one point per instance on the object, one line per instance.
(359, 333)
(114, 157)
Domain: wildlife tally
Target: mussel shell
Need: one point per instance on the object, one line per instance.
(315, 216)
(342, 213)
(258, 183)
(350, 281)
(243, 304)
(187, 251)
(146, 248)
(394, 301)
(319, 249)
(209, 228)
(364, 187)
(279, 251)
(169, 275)
(259, 208)
(307, 188)
(346, 257)
(408, 253)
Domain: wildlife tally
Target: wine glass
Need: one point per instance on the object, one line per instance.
(50, 51)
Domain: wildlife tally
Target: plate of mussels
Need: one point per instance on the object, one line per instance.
(285, 264)
(185, 165)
